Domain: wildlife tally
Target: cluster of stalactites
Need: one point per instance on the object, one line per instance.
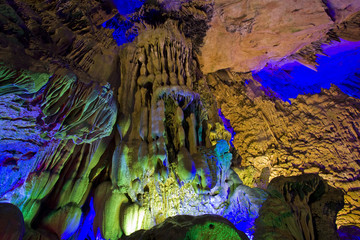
(162, 136)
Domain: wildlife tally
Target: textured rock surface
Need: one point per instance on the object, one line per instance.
(12, 225)
(166, 155)
(245, 35)
(349, 232)
(99, 140)
(190, 227)
(301, 207)
(315, 134)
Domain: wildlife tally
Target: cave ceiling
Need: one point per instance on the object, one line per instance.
(118, 115)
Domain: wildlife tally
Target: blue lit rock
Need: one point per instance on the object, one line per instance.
(20, 140)
(244, 206)
(124, 137)
(349, 232)
(20, 133)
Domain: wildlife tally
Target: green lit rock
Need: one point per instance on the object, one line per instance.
(15, 81)
(212, 231)
(85, 111)
(186, 227)
(110, 227)
(186, 167)
(108, 204)
(64, 221)
(101, 193)
(132, 218)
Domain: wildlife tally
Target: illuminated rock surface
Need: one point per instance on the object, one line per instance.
(188, 227)
(245, 35)
(109, 125)
(316, 133)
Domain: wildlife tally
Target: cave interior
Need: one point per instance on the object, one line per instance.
(179, 119)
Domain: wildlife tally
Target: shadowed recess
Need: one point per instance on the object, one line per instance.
(227, 126)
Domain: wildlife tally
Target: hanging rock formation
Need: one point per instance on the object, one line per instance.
(246, 35)
(109, 127)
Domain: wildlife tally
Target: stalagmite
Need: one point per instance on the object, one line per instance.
(110, 226)
(179, 117)
(132, 218)
(192, 133)
(144, 122)
(157, 119)
(186, 166)
(120, 119)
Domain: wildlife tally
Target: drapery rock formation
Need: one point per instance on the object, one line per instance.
(117, 115)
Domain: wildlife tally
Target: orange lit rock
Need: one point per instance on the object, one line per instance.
(245, 35)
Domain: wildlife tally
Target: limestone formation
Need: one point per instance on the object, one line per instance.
(290, 140)
(189, 227)
(12, 225)
(302, 207)
(121, 119)
(246, 35)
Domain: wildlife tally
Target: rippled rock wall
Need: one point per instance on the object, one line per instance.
(316, 133)
(99, 140)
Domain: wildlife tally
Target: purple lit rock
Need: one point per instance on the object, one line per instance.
(349, 233)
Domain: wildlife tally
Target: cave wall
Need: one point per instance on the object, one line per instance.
(109, 123)
(316, 133)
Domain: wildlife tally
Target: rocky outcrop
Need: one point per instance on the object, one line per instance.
(243, 39)
(100, 140)
(190, 227)
(54, 133)
(302, 207)
(12, 225)
(314, 134)
(166, 154)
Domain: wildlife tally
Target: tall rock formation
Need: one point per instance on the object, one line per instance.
(118, 116)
